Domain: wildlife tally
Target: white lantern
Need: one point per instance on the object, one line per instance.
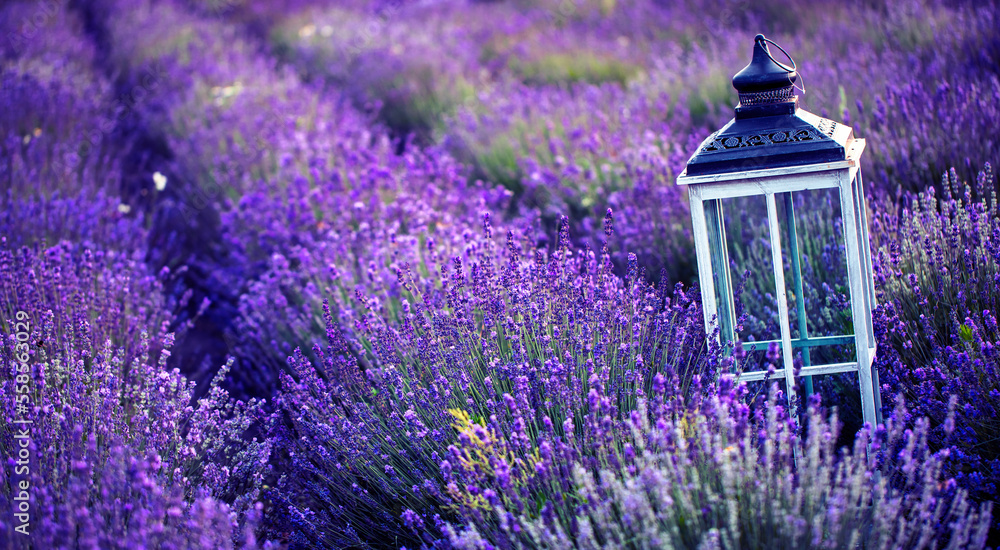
(777, 177)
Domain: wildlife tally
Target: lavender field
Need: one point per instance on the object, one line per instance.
(417, 273)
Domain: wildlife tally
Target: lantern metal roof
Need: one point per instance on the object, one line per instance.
(769, 129)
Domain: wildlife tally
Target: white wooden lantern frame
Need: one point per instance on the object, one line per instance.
(707, 217)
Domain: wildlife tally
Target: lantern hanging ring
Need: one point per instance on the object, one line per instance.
(794, 67)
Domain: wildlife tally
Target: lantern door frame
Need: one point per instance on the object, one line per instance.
(711, 249)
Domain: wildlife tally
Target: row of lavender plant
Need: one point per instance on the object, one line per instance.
(937, 269)
(521, 399)
(525, 133)
(289, 170)
(931, 102)
(916, 127)
(87, 336)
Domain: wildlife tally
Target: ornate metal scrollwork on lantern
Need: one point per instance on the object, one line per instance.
(752, 140)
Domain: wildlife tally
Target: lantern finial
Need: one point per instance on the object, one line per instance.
(769, 129)
(765, 86)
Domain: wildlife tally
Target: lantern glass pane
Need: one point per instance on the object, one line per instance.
(719, 264)
(816, 279)
(750, 265)
(861, 216)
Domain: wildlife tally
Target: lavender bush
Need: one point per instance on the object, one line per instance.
(117, 456)
(937, 272)
(514, 341)
(282, 309)
(718, 477)
(391, 58)
(558, 159)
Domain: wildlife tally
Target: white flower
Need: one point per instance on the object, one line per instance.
(160, 181)
(124, 208)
